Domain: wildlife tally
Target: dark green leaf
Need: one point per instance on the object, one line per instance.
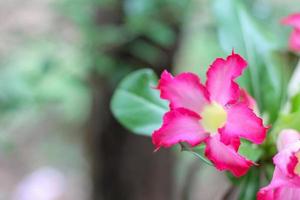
(250, 185)
(286, 121)
(267, 75)
(295, 101)
(250, 151)
(137, 105)
(197, 151)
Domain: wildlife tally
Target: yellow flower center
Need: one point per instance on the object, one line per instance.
(213, 117)
(297, 167)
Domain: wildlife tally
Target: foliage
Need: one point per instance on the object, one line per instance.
(137, 104)
(239, 30)
(139, 34)
(267, 78)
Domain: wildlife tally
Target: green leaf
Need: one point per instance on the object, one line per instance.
(268, 172)
(267, 76)
(198, 151)
(286, 121)
(233, 179)
(295, 103)
(294, 83)
(250, 151)
(137, 105)
(250, 185)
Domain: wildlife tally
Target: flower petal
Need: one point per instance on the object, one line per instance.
(292, 20)
(220, 78)
(280, 188)
(285, 159)
(179, 125)
(184, 90)
(288, 193)
(242, 122)
(294, 40)
(287, 137)
(285, 184)
(247, 99)
(225, 157)
(271, 191)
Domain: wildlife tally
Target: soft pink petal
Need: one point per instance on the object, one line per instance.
(247, 99)
(294, 40)
(220, 78)
(281, 193)
(292, 20)
(285, 159)
(179, 125)
(225, 157)
(292, 164)
(184, 90)
(271, 191)
(235, 143)
(242, 122)
(285, 184)
(287, 137)
(280, 188)
(288, 193)
(265, 194)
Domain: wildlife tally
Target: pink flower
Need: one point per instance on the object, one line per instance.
(218, 113)
(285, 184)
(294, 21)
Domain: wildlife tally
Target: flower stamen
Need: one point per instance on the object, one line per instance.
(214, 117)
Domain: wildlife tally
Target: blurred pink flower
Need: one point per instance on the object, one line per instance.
(218, 113)
(43, 184)
(294, 21)
(285, 184)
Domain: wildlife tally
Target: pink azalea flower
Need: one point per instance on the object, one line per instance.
(218, 113)
(285, 184)
(294, 21)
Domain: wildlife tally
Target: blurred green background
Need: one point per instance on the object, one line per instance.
(60, 61)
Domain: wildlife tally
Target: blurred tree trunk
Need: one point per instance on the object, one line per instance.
(123, 165)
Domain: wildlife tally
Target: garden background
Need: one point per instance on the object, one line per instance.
(60, 61)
